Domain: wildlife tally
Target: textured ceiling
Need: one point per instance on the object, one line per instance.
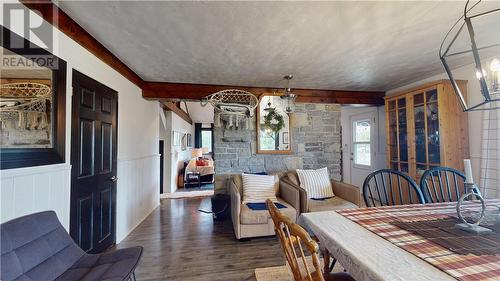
(326, 45)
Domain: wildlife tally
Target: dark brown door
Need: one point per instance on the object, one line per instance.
(93, 160)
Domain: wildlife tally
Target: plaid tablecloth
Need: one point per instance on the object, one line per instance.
(462, 267)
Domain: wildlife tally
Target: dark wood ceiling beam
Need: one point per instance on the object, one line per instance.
(160, 90)
(172, 106)
(74, 31)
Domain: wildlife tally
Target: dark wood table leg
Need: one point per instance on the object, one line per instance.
(326, 261)
(328, 266)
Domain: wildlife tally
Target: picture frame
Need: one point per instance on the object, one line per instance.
(189, 140)
(21, 147)
(285, 138)
(176, 138)
(184, 141)
(269, 140)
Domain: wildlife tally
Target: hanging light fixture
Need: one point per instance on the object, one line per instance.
(289, 96)
(269, 105)
(468, 42)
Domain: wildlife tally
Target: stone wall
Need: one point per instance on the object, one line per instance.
(316, 143)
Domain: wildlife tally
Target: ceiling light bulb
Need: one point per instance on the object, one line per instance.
(479, 75)
(495, 65)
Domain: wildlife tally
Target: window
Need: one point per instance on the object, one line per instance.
(206, 139)
(362, 142)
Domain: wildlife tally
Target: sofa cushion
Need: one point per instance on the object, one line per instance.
(330, 204)
(238, 182)
(258, 188)
(116, 265)
(249, 216)
(317, 183)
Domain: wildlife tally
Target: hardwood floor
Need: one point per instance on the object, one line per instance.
(181, 243)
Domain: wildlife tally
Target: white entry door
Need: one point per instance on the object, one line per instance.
(362, 146)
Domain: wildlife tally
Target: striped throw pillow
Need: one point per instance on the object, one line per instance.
(258, 188)
(316, 183)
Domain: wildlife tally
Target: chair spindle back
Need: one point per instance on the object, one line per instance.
(443, 184)
(296, 242)
(389, 187)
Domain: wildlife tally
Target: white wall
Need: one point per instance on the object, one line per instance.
(138, 159)
(174, 155)
(474, 96)
(381, 153)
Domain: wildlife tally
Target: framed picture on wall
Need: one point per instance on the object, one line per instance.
(184, 141)
(189, 140)
(285, 138)
(32, 105)
(176, 138)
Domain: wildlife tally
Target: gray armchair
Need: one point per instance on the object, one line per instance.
(37, 247)
(347, 196)
(252, 223)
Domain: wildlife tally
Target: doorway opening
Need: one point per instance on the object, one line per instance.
(188, 167)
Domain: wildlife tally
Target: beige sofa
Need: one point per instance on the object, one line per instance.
(252, 223)
(347, 196)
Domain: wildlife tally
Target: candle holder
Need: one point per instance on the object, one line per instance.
(473, 226)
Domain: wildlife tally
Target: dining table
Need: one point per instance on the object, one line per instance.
(384, 243)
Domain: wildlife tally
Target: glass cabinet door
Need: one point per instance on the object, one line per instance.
(398, 134)
(402, 135)
(420, 133)
(393, 136)
(427, 139)
(433, 140)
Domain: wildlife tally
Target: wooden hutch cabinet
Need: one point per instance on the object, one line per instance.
(426, 127)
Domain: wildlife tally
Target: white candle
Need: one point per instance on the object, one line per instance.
(468, 171)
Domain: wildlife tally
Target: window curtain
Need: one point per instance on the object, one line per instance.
(490, 154)
(197, 135)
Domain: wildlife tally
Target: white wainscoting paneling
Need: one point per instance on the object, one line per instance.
(35, 189)
(138, 192)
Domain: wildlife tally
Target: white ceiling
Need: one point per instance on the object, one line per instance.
(200, 114)
(326, 45)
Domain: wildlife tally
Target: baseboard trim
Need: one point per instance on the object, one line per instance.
(140, 221)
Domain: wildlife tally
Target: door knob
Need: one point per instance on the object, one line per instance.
(113, 178)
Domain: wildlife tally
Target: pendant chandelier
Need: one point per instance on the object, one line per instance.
(288, 95)
(475, 38)
(269, 105)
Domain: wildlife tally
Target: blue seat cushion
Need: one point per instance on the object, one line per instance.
(37, 247)
(111, 266)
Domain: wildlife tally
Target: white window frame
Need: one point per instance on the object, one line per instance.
(354, 143)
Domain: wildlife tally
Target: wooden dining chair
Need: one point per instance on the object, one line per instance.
(389, 187)
(443, 184)
(296, 243)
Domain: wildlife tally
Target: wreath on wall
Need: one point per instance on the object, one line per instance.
(273, 121)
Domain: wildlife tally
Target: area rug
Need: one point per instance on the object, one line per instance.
(187, 194)
(275, 273)
(282, 273)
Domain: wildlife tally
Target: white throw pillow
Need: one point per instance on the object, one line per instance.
(258, 188)
(316, 182)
